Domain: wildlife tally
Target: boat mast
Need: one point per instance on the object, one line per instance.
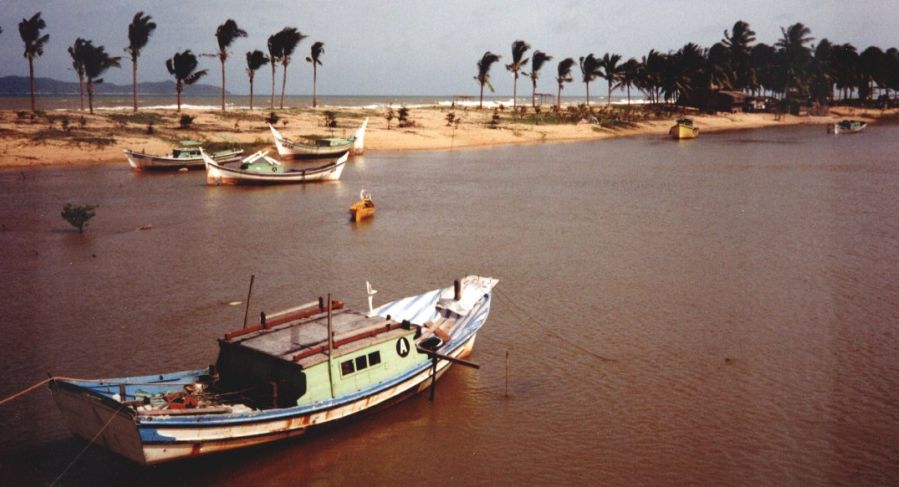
(330, 348)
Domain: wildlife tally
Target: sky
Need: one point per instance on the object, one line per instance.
(421, 47)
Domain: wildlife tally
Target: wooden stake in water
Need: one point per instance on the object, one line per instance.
(249, 293)
(507, 373)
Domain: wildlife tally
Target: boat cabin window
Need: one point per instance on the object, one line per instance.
(361, 362)
(346, 367)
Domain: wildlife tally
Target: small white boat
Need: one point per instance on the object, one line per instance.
(297, 370)
(187, 156)
(259, 168)
(325, 147)
(847, 126)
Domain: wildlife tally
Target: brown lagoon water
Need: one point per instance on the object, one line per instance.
(723, 311)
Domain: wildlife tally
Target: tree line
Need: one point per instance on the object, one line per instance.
(90, 62)
(792, 65)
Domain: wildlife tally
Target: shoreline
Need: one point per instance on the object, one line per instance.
(75, 138)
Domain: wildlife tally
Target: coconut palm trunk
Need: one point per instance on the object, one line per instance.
(134, 83)
(223, 85)
(251, 91)
(283, 83)
(31, 78)
(314, 82)
(273, 86)
(81, 91)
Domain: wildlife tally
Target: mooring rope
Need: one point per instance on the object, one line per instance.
(72, 463)
(25, 391)
(515, 306)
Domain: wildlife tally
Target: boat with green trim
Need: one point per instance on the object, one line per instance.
(296, 370)
(259, 168)
(320, 147)
(185, 156)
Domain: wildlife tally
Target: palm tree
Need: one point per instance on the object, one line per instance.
(30, 32)
(653, 69)
(821, 88)
(281, 47)
(718, 70)
(318, 48)
(182, 66)
(564, 76)
(795, 55)
(870, 70)
(139, 31)
(540, 58)
(96, 62)
(844, 65)
(483, 77)
(225, 34)
(275, 51)
(761, 57)
(255, 60)
(518, 50)
(630, 74)
(77, 52)
(589, 70)
(737, 42)
(611, 71)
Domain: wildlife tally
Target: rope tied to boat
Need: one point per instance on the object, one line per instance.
(100, 432)
(515, 306)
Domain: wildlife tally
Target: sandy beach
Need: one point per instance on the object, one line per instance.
(72, 137)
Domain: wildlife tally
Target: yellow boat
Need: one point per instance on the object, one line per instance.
(684, 129)
(363, 208)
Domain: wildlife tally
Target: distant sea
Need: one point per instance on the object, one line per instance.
(117, 102)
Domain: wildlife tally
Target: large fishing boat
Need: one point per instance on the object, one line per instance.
(683, 129)
(298, 369)
(323, 147)
(186, 156)
(259, 168)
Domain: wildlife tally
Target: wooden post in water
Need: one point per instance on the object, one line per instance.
(507, 373)
(246, 313)
(433, 375)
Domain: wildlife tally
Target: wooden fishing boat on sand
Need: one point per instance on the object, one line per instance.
(296, 370)
(364, 208)
(847, 126)
(324, 147)
(186, 156)
(259, 168)
(683, 129)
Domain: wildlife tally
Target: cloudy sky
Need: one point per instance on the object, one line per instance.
(422, 47)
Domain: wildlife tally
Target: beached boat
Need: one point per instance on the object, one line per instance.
(282, 377)
(325, 147)
(683, 129)
(847, 126)
(363, 208)
(187, 156)
(259, 168)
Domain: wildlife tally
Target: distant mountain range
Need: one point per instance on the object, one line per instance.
(19, 86)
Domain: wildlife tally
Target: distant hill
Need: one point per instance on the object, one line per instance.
(18, 86)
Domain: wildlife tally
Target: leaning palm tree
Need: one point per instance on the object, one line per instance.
(77, 52)
(285, 42)
(182, 66)
(483, 77)
(318, 48)
(518, 62)
(611, 71)
(275, 51)
(540, 58)
(30, 31)
(796, 55)
(225, 34)
(139, 31)
(255, 60)
(589, 70)
(564, 76)
(96, 62)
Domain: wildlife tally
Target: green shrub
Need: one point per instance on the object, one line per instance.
(78, 216)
